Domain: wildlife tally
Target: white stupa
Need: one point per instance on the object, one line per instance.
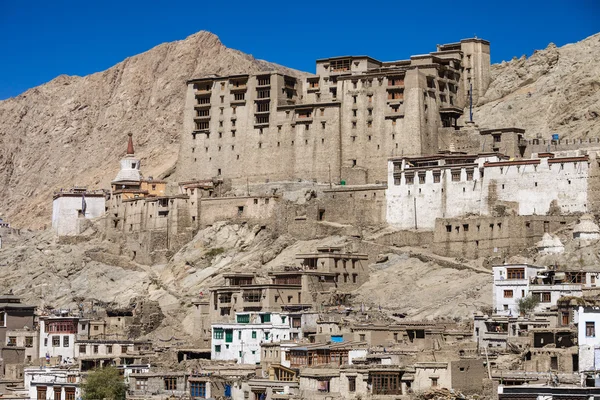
(550, 245)
(130, 167)
(586, 228)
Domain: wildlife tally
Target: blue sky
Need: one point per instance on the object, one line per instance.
(40, 40)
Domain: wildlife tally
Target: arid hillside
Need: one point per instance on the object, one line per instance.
(72, 130)
(556, 90)
(48, 273)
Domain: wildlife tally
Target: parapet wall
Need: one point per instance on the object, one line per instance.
(493, 236)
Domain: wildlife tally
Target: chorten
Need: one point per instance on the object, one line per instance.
(550, 245)
(586, 228)
(130, 174)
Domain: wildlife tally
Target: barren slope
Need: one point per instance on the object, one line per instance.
(556, 90)
(72, 130)
(46, 273)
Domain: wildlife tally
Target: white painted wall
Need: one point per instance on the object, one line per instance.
(244, 348)
(589, 346)
(49, 377)
(533, 187)
(520, 287)
(65, 213)
(46, 347)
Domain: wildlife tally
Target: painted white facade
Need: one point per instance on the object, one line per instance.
(241, 341)
(130, 170)
(550, 244)
(51, 378)
(67, 215)
(529, 188)
(59, 343)
(589, 344)
(503, 283)
(507, 291)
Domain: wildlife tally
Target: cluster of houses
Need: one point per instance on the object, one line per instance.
(293, 337)
(296, 333)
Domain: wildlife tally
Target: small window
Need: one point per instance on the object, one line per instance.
(352, 384)
(170, 383)
(508, 294)
(590, 329)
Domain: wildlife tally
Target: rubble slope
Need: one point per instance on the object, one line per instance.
(47, 273)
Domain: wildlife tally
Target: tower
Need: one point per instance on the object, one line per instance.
(129, 176)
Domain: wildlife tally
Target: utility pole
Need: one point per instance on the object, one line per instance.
(470, 102)
(415, 208)
(329, 166)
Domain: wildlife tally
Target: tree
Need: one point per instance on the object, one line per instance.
(527, 304)
(104, 383)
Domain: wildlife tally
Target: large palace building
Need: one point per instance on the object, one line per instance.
(341, 124)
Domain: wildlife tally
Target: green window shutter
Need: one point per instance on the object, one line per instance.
(253, 334)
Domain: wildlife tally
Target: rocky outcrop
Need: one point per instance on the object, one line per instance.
(556, 90)
(72, 130)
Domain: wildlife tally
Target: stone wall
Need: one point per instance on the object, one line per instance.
(475, 237)
(339, 125)
(251, 209)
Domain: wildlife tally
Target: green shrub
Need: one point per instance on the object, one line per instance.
(105, 383)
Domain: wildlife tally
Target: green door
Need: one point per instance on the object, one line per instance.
(228, 335)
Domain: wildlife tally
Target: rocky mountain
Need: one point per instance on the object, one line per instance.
(72, 130)
(556, 90)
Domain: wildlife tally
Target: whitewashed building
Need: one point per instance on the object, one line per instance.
(511, 283)
(588, 338)
(422, 189)
(58, 335)
(52, 383)
(71, 208)
(241, 340)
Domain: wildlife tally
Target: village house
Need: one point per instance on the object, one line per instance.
(548, 285)
(213, 381)
(95, 353)
(45, 383)
(588, 320)
(17, 338)
(58, 334)
(241, 341)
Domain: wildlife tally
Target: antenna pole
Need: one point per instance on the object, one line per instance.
(470, 102)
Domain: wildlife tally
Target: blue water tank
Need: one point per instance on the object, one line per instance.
(555, 136)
